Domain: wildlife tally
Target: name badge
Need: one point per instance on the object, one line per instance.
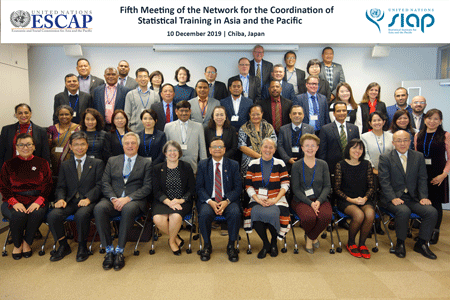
(428, 161)
(347, 119)
(59, 149)
(149, 158)
(183, 147)
(17, 153)
(245, 94)
(91, 156)
(108, 106)
(234, 118)
(309, 192)
(74, 114)
(314, 117)
(263, 191)
(295, 149)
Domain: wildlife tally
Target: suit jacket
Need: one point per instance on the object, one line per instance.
(139, 183)
(414, 123)
(84, 101)
(324, 116)
(287, 91)
(338, 75)
(90, 184)
(94, 83)
(365, 112)
(196, 113)
(324, 89)
(330, 149)
(244, 108)
(159, 181)
(7, 139)
(300, 80)
(131, 83)
(232, 185)
(267, 110)
(159, 109)
(254, 88)
(99, 98)
(195, 141)
(284, 142)
(266, 70)
(220, 90)
(394, 180)
(229, 137)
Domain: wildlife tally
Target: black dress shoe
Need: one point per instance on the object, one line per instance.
(62, 251)
(262, 254)
(17, 256)
(424, 250)
(274, 251)
(391, 225)
(176, 252)
(205, 254)
(434, 238)
(400, 250)
(108, 262)
(82, 253)
(232, 254)
(181, 243)
(27, 254)
(119, 262)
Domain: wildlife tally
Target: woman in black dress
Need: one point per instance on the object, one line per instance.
(173, 187)
(370, 103)
(119, 127)
(354, 189)
(92, 123)
(220, 126)
(434, 142)
(152, 139)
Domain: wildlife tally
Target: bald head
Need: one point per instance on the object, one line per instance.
(418, 104)
(401, 141)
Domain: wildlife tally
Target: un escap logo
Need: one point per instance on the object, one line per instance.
(375, 16)
(20, 18)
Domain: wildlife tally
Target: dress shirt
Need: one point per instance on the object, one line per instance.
(339, 128)
(245, 83)
(83, 160)
(311, 109)
(123, 81)
(400, 155)
(85, 83)
(214, 163)
(110, 99)
(236, 104)
(70, 94)
(292, 79)
(183, 132)
(417, 120)
(211, 89)
(164, 103)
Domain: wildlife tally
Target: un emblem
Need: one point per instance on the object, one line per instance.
(376, 15)
(20, 18)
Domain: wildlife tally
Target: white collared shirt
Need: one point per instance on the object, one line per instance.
(339, 126)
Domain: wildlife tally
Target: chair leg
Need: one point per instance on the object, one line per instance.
(375, 249)
(136, 251)
(152, 250)
(249, 250)
(391, 250)
(5, 253)
(295, 240)
(93, 239)
(332, 250)
(42, 252)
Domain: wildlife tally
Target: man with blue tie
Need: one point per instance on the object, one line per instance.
(126, 186)
(314, 105)
(218, 188)
(251, 86)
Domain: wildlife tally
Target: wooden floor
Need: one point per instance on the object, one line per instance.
(288, 276)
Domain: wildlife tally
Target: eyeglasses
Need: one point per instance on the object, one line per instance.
(218, 147)
(421, 102)
(211, 72)
(29, 145)
(172, 150)
(244, 65)
(312, 84)
(291, 58)
(403, 141)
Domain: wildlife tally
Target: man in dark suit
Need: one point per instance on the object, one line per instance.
(251, 86)
(418, 105)
(126, 186)
(218, 188)
(217, 89)
(403, 180)
(331, 72)
(166, 108)
(109, 97)
(294, 76)
(314, 105)
(78, 190)
(259, 67)
(88, 82)
(289, 137)
(236, 105)
(73, 97)
(274, 105)
(124, 79)
(335, 136)
(287, 90)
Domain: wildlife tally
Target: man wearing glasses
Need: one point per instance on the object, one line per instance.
(251, 86)
(217, 89)
(292, 75)
(418, 105)
(259, 67)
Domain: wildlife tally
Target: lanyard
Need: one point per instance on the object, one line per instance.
(59, 145)
(28, 130)
(304, 178)
(76, 103)
(119, 137)
(147, 150)
(109, 102)
(384, 144)
(148, 99)
(290, 76)
(204, 108)
(298, 138)
(429, 145)
(262, 173)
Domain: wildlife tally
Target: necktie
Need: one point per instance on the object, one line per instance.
(258, 72)
(127, 170)
(218, 184)
(277, 115)
(295, 136)
(79, 168)
(183, 133)
(316, 111)
(343, 138)
(403, 157)
(122, 81)
(168, 114)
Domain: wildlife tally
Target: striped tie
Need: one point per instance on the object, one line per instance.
(343, 138)
(218, 184)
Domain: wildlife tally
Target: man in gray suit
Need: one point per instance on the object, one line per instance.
(87, 81)
(126, 186)
(331, 71)
(403, 180)
(202, 106)
(188, 133)
(124, 79)
(289, 137)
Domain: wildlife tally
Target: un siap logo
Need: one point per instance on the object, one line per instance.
(20, 18)
(413, 20)
(375, 15)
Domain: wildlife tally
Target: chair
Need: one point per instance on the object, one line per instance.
(4, 252)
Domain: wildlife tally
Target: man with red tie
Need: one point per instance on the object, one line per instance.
(165, 109)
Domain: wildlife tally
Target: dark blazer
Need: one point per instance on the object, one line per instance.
(90, 184)
(254, 89)
(99, 98)
(159, 109)
(139, 183)
(229, 137)
(114, 143)
(267, 110)
(7, 139)
(324, 89)
(220, 90)
(84, 101)
(266, 70)
(131, 83)
(324, 116)
(95, 82)
(159, 177)
(330, 149)
(231, 179)
(158, 142)
(394, 180)
(365, 112)
(287, 91)
(300, 80)
(284, 142)
(244, 108)
(414, 123)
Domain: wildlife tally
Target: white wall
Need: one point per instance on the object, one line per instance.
(48, 65)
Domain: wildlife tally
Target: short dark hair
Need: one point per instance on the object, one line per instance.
(216, 138)
(215, 70)
(22, 136)
(98, 117)
(166, 84)
(327, 48)
(290, 52)
(296, 106)
(183, 104)
(201, 80)
(338, 103)
(20, 105)
(155, 73)
(234, 80)
(376, 113)
(255, 106)
(70, 75)
(188, 74)
(142, 70)
(311, 62)
(78, 135)
(401, 88)
(151, 112)
(351, 144)
(244, 58)
(80, 59)
(64, 106)
(116, 112)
